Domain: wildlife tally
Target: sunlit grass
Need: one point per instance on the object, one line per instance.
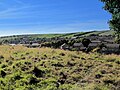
(24, 68)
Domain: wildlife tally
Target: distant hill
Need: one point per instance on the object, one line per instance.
(105, 32)
(40, 37)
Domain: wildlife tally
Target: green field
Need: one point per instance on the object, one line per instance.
(63, 35)
(24, 68)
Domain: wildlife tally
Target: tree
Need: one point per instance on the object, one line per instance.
(113, 7)
(86, 42)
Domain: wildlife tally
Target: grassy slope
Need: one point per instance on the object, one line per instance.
(57, 69)
(58, 35)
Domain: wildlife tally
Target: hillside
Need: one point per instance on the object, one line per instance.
(41, 38)
(105, 32)
(24, 68)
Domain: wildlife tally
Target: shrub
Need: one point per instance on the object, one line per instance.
(86, 42)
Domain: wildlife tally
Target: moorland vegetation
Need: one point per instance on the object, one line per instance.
(23, 68)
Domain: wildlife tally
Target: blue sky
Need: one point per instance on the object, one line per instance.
(51, 16)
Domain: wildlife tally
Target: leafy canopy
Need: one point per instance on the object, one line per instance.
(113, 7)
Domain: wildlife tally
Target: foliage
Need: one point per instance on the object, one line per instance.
(86, 42)
(71, 42)
(113, 6)
(54, 44)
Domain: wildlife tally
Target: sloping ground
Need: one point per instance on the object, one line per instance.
(105, 32)
(24, 68)
(109, 32)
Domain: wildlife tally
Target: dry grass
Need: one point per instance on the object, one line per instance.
(24, 68)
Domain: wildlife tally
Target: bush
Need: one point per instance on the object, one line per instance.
(86, 42)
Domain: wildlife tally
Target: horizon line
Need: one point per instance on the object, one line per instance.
(50, 33)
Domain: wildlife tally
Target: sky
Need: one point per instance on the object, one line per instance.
(51, 16)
